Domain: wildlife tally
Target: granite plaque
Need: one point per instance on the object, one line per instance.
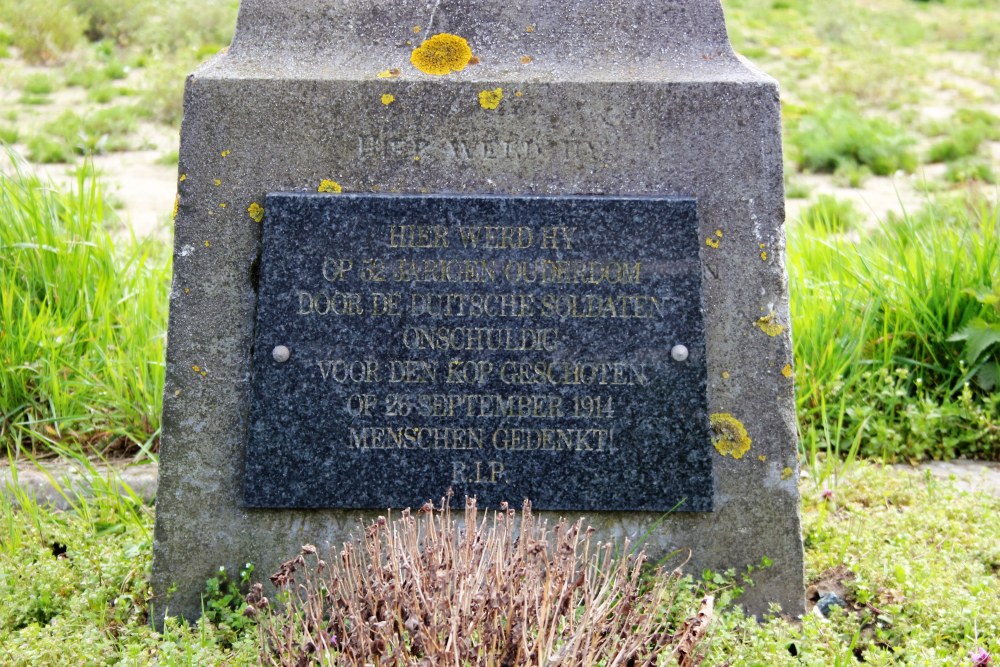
(549, 348)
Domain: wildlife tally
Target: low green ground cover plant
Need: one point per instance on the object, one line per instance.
(82, 319)
(914, 560)
(74, 584)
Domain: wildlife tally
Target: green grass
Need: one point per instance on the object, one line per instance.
(875, 322)
(97, 42)
(82, 320)
(837, 137)
(830, 215)
(36, 89)
(965, 134)
(104, 130)
(971, 170)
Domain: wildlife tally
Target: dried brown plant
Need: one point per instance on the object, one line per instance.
(427, 590)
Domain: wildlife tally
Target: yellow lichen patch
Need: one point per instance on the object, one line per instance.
(490, 99)
(388, 99)
(769, 324)
(187, 290)
(787, 473)
(762, 458)
(443, 53)
(223, 205)
(226, 153)
(389, 74)
(519, 94)
(787, 371)
(726, 375)
(183, 178)
(416, 158)
(530, 28)
(718, 232)
(712, 243)
(208, 244)
(416, 30)
(526, 60)
(196, 368)
(217, 182)
(177, 205)
(763, 255)
(729, 435)
(329, 186)
(256, 212)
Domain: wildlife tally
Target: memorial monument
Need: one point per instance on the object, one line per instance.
(515, 249)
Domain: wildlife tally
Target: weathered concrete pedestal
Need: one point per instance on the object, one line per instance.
(597, 98)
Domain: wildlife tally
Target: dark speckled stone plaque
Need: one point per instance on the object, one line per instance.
(506, 348)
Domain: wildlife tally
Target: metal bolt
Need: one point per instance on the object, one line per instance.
(679, 353)
(281, 354)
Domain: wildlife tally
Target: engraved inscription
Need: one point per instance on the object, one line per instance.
(497, 348)
(461, 150)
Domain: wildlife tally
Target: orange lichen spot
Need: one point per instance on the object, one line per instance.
(217, 182)
(769, 324)
(726, 375)
(787, 473)
(226, 153)
(526, 60)
(443, 53)
(712, 243)
(474, 60)
(490, 99)
(256, 212)
(729, 435)
(389, 73)
(388, 99)
(787, 371)
(329, 186)
(183, 178)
